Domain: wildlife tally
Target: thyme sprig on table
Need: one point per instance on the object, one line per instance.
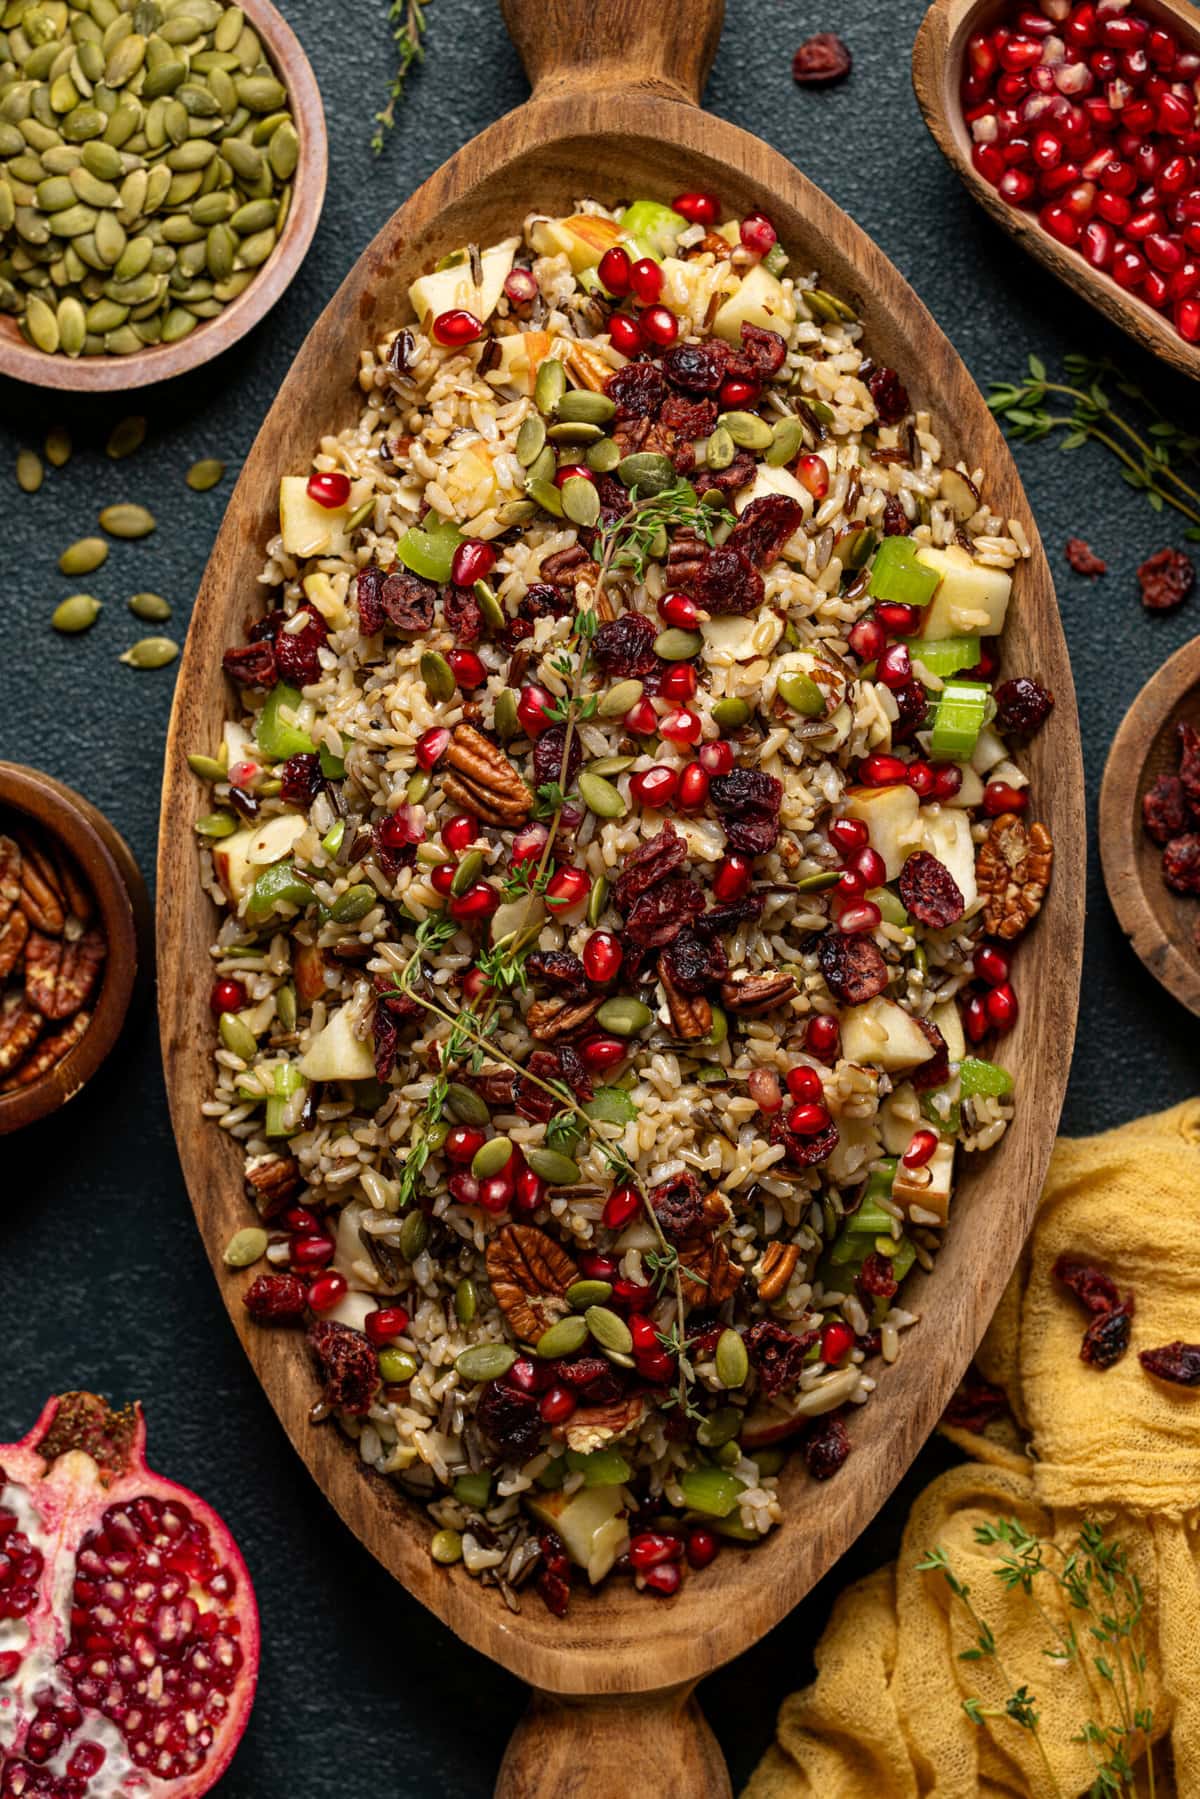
(407, 20)
(1150, 457)
(1096, 1581)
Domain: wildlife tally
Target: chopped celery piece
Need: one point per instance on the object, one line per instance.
(553, 1474)
(897, 576)
(946, 1122)
(979, 1077)
(775, 260)
(274, 735)
(870, 1220)
(960, 717)
(903, 1257)
(601, 1468)
(473, 1490)
(945, 656)
(711, 1491)
(274, 886)
(331, 843)
(880, 1179)
(332, 767)
(654, 228)
(288, 1082)
(429, 550)
(736, 1530)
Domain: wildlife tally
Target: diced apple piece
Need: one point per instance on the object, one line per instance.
(271, 842)
(899, 1117)
(583, 238)
(308, 973)
(928, 1187)
(238, 743)
(769, 1423)
(948, 1020)
(590, 1523)
(948, 837)
(521, 356)
(348, 1247)
(231, 860)
(758, 300)
(445, 290)
(772, 480)
(989, 751)
(883, 1034)
(320, 590)
(353, 1309)
(971, 601)
(475, 475)
(336, 1054)
(971, 791)
(307, 527)
(892, 815)
(855, 1135)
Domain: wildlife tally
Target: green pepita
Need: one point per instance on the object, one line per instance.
(563, 1338)
(531, 439)
(550, 1166)
(787, 439)
(746, 429)
(583, 1294)
(438, 676)
(245, 1248)
(126, 437)
(494, 615)
(237, 1036)
(216, 824)
(83, 556)
(721, 1426)
(730, 714)
(608, 766)
(720, 449)
(609, 1329)
(649, 472)
(151, 607)
(466, 1300)
(619, 699)
(203, 475)
(485, 1361)
(354, 904)
(397, 1367)
(597, 900)
(467, 873)
(802, 694)
(151, 652)
(491, 1157)
(549, 385)
(731, 1360)
(603, 456)
(546, 495)
(58, 446)
(678, 646)
(505, 716)
(127, 520)
(467, 1106)
(580, 501)
(581, 406)
(624, 1016)
(30, 473)
(78, 612)
(208, 768)
(600, 796)
(446, 1547)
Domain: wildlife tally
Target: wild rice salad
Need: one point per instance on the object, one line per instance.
(620, 853)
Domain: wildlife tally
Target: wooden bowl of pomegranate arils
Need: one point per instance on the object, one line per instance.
(1076, 125)
(616, 86)
(74, 937)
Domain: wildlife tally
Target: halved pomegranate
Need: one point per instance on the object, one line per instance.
(128, 1629)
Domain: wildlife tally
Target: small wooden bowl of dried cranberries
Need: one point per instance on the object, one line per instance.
(74, 934)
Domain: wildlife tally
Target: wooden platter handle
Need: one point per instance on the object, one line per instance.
(571, 45)
(609, 1747)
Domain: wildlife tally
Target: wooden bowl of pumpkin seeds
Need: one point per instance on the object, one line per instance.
(162, 171)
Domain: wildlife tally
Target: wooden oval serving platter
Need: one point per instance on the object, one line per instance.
(613, 125)
(1160, 925)
(938, 55)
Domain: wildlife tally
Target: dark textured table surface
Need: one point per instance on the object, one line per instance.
(105, 1284)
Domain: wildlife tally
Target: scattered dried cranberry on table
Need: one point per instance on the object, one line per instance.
(1083, 559)
(1166, 579)
(821, 60)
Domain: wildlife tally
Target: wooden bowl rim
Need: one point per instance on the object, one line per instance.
(937, 58)
(1124, 848)
(73, 822)
(161, 362)
(609, 1646)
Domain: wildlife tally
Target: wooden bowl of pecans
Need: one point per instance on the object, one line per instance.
(74, 919)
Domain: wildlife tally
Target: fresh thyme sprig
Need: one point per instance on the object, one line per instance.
(636, 538)
(1149, 457)
(1096, 1581)
(407, 20)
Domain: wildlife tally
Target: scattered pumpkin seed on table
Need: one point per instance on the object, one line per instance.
(58, 446)
(78, 612)
(83, 556)
(203, 475)
(151, 607)
(126, 436)
(151, 652)
(127, 521)
(30, 473)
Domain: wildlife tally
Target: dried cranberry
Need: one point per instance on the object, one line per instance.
(573, 1071)
(393, 845)
(727, 480)
(765, 526)
(657, 918)
(408, 601)
(678, 1205)
(276, 1299)
(936, 1071)
(1165, 810)
(637, 390)
(693, 964)
(368, 588)
(719, 921)
(1181, 863)
(296, 655)
(802, 1152)
(543, 600)
(1189, 762)
(651, 862)
(392, 1009)
(697, 368)
(558, 968)
(1166, 579)
(930, 892)
(895, 519)
(624, 646)
(761, 355)
(889, 394)
(1083, 559)
(594, 1379)
(727, 582)
(548, 750)
(1107, 1337)
(875, 1279)
(300, 780)
(1022, 705)
(463, 616)
(779, 1358)
(691, 418)
(821, 60)
(975, 1403)
(511, 1419)
(853, 967)
(825, 1447)
(749, 803)
(912, 704)
(349, 1367)
(1177, 1362)
(1091, 1287)
(251, 665)
(555, 1587)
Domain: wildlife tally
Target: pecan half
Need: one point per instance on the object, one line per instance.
(1013, 871)
(10, 877)
(272, 1182)
(78, 896)
(712, 1276)
(13, 934)
(19, 1027)
(483, 780)
(42, 898)
(691, 1014)
(550, 1019)
(592, 1426)
(529, 1273)
(48, 1053)
(588, 368)
(685, 554)
(758, 992)
(61, 974)
(776, 1269)
(564, 566)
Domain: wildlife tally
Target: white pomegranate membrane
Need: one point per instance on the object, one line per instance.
(128, 1626)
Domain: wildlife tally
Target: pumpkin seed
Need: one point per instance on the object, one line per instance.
(576, 434)
(491, 1157)
(30, 473)
(467, 1106)
(467, 873)
(597, 900)
(624, 1016)
(649, 472)
(580, 501)
(151, 607)
(608, 766)
(720, 449)
(285, 1006)
(787, 439)
(555, 1169)
(397, 1367)
(485, 1361)
(127, 521)
(204, 475)
(746, 429)
(619, 700)
(283, 151)
(209, 768)
(446, 1546)
(603, 456)
(58, 447)
(531, 439)
(245, 1248)
(414, 1235)
(730, 714)
(78, 612)
(563, 1338)
(587, 1293)
(600, 796)
(855, 547)
(354, 904)
(494, 615)
(438, 676)
(72, 326)
(584, 407)
(731, 1360)
(678, 646)
(802, 694)
(126, 437)
(549, 385)
(609, 1329)
(237, 1036)
(418, 786)
(216, 824)
(152, 652)
(817, 883)
(546, 496)
(466, 1300)
(505, 716)
(721, 1426)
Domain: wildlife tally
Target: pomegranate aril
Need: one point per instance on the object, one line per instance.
(473, 561)
(871, 866)
(881, 771)
(388, 1323)
(467, 668)
(837, 1340)
(1001, 1006)
(312, 1252)
(702, 1547)
(650, 1548)
(663, 1580)
(757, 233)
(655, 786)
(735, 393)
(716, 758)
(698, 208)
(625, 334)
(864, 916)
(557, 1404)
(476, 904)
(642, 719)
(646, 280)
(679, 610)
(805, 1085)
(763, 1088)
(679, 682)
(921, 1149)
(614, 270)
(733, 877)
(602, 957)
(532, 707)
(895, 666)
(660, 326)
(600, 1054)
(693, 788)
(432, 746)
(326, 1291)
(622, 1204)
(331, 489)
(848, 834)
(813, 475)
(808, 1120)
(456, 327)
(227, 996)
(460, 831)
(441, 878)
(867, 639)
(520, 286)
(898, 620)
(947, 780)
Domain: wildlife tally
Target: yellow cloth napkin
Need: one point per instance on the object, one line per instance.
(884, 1716)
